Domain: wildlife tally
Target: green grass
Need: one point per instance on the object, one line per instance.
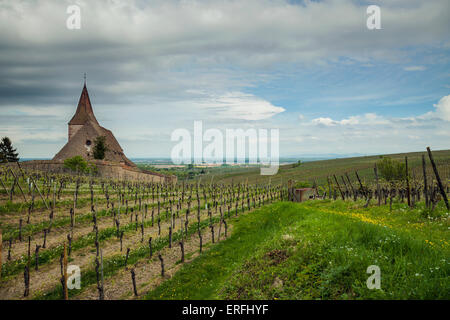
(321, 250)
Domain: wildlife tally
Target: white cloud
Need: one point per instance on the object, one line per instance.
(443, 108)
(324, 121)
(32, 134)
(414, 68)
(366, 119)
(49, 111)
(242, 106)
(371, 133)
(351, 120)
(350, 98)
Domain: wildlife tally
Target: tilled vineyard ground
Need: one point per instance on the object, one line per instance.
(61, 210)
(48, 275)
(47, 278)
(81, 229)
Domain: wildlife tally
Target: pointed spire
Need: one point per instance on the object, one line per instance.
(84, 109)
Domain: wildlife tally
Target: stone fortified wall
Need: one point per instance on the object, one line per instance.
(110, 170)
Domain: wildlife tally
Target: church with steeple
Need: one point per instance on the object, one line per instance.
(83, 129)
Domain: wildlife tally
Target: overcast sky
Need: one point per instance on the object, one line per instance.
(312, 69)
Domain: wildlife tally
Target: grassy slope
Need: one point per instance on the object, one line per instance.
(321, 250)
(319, 170)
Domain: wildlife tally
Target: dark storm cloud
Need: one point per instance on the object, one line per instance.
(158, 48)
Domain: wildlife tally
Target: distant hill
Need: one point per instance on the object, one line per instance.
(30, 159)
(319, 170)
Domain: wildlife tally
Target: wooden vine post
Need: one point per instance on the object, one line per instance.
(425, 182)
(35, 186)
(36, 256)
(26, 276)
(378, 184)
(182, 250)
(27, 271)
(162, 264)
(408, 191)
(226, 227)
(1, 242)
(438, 178)
(360, 184)
(339, 187)
(9, 249)
(212, 232)
(345, 185)
(290, 191)
(150, 247)
(20, 229)
(351, 186)
(133, 279)
(126, 257)
(66, 292)
(329, 187)
(101, 273)
(18, 184)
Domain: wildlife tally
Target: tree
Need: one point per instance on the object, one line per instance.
(8, 152)
(77, 164)
(100, 148)
(391, 169)
(295, 165)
